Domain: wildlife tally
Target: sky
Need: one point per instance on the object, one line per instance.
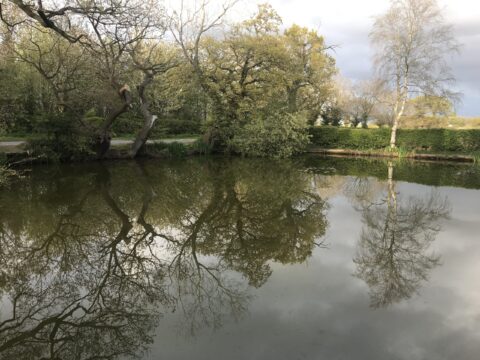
(347, 23)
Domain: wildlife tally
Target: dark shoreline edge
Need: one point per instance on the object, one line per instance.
(384, 154)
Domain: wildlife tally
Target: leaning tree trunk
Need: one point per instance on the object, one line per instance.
(149, 118)
(103, 137)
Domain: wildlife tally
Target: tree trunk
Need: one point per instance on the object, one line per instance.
(103, 137)
(149, 118)
(393, 136)
(396, 122)
(143, 134)
(292, 99)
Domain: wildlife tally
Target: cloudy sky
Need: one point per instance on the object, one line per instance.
(346, 23)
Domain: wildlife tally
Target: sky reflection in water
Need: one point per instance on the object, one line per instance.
(241, 259)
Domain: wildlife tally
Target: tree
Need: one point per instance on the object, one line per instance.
(61, 64)
(307, 70)
(393, 257)
(254, 75)
(116, 35)
(412, 43)
(425, 105)
(64, 17)
(360, 100)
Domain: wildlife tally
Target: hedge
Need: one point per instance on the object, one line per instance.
(408, 139)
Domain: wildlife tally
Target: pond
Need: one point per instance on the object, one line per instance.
(229, 258)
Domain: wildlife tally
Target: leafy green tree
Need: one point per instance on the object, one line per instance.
(277, 135)
(431, 106)
(307, 71)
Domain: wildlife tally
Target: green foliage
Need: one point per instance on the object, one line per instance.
(127, 124)
(254, 69)
(60, 138)
(175, 126)
(431, 106)
(3, 175)
(442, 140)
(201, 147)
(173, 149)
(332, 116)
(6, 173)
(278, 135)
(427, 173)
(349, 138)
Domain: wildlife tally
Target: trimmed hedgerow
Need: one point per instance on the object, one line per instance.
(408, 139)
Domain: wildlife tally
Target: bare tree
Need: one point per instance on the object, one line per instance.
(114, 34)
(152, 60)
(189, 26)
(394, 256)
(63, 17)
(60, 63)
(358, 101)
(412, 42)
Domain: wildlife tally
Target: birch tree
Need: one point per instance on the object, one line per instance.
(413, 43)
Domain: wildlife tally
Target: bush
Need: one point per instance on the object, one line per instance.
(173, 126)
(201, 147)
(278, 135)
(60, 138)
(173, 150)
(5, 172)
(127, 124)
(350, 138)
(407, 139)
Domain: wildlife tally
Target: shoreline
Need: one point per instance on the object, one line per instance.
(16, 155)
(383, 154)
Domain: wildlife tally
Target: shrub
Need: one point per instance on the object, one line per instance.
(201, 147)
(174, 126)
(277, 135)
(127, 124)
(407, 139)
(60, 138)
(5, 172)
(174, 149)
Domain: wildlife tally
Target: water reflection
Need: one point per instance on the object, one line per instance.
(394, 256)
(92, 260)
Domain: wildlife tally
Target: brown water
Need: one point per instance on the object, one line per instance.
(241, 259)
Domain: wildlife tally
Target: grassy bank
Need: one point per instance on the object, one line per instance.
(410, 142)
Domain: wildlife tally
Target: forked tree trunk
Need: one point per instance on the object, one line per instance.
(103, 137)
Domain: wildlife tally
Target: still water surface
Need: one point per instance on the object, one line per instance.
(241, 259)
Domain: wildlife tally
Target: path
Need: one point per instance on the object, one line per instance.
(13, 146)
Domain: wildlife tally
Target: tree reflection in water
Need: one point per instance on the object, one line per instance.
(91, 260)
(393, 255)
